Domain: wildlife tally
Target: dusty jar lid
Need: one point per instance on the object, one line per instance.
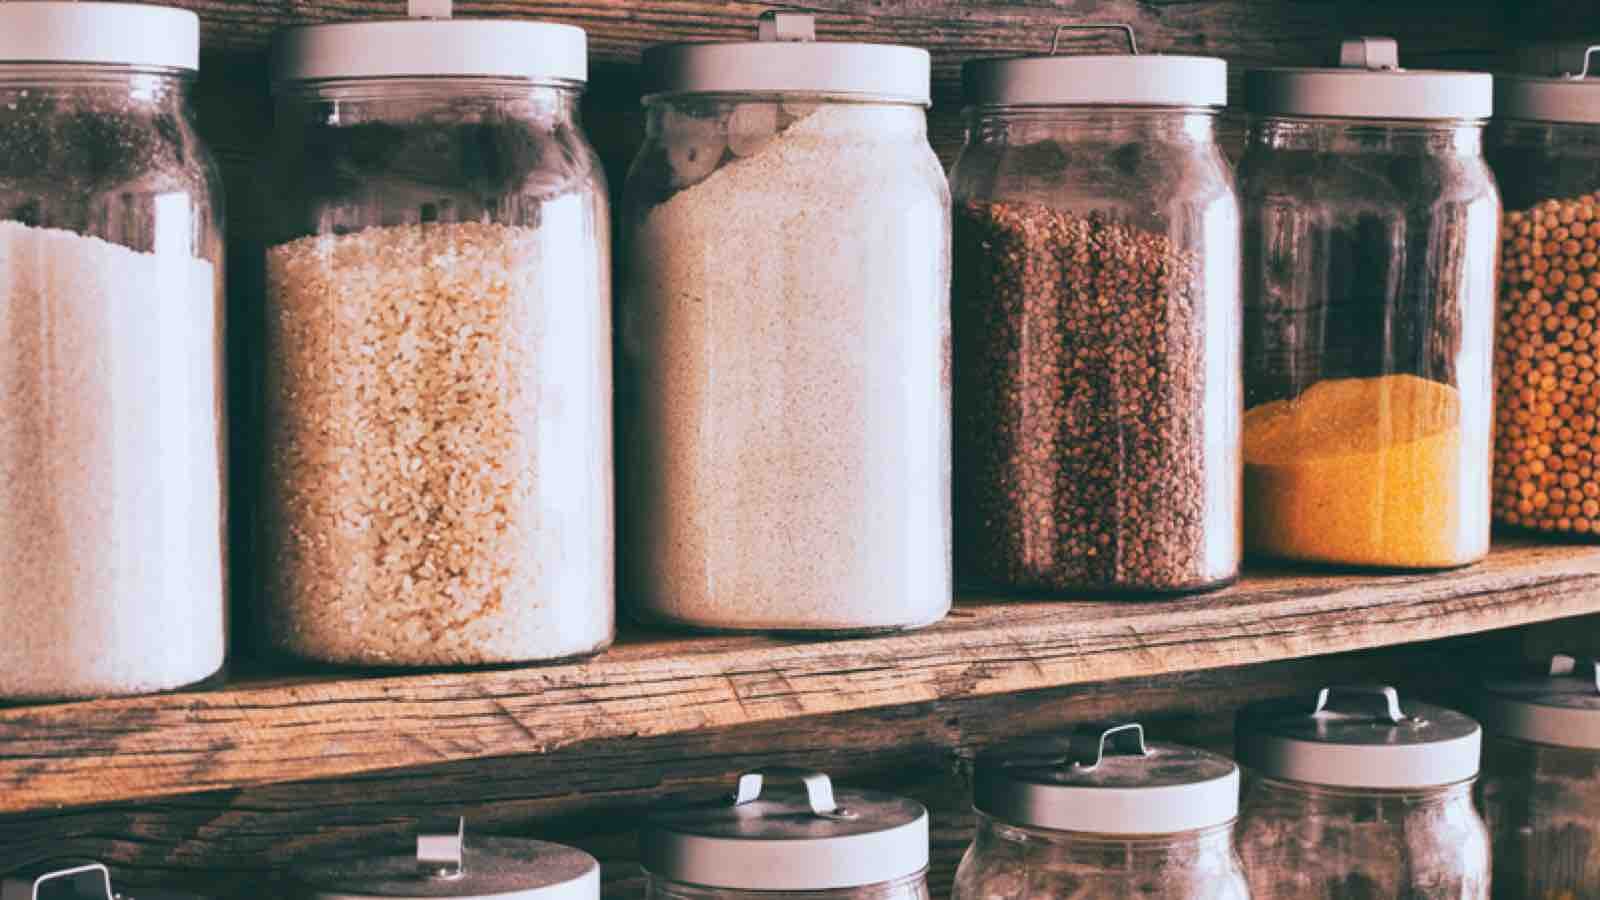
(431, 44)
(1107, 780)
(1359, 736)
(1573, 97)
(1107, 80)
(111, 34)
(447, 864)
(73, 880)
(1560, 706)
(1369, 84)
(804, 837)
(787, 58)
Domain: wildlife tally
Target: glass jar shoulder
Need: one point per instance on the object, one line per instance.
(410, 152)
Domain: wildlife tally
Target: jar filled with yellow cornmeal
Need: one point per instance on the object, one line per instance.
(1370, 220)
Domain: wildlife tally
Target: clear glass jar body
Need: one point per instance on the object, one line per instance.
(1097, 342)
(1304, 842)
(438, 454)
(1542, 805)
(112, 452)
(786, 390)
(1369, 282)
(1008, 862)
(1544, 472)
(914, 887)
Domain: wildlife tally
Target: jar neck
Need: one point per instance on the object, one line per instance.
(1567, 136)
(1026, 125)
(130, 88)
(1461, 138)
(409, 100)
(677, 117)
(1108, 850)
(1310, 799)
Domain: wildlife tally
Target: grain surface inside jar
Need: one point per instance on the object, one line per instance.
(438, 390)
(1096, 328)
(786, 324)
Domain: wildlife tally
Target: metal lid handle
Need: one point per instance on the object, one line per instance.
(776, 25)
(429, 9)
(1588, 55)
(818, 787)
(1090, 745)
(1350, 699)
(1372, 53)
(1126, 29)
(1588, 668)
(441, 851)
(60, 880)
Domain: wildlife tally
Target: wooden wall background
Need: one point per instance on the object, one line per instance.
(230, 842)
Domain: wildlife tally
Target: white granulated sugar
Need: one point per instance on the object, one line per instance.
(788, 322)
(440, 417)
(111, 555)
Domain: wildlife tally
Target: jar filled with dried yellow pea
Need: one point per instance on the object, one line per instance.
(1546, 153)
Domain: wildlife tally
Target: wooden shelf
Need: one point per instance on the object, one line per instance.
(268, 729)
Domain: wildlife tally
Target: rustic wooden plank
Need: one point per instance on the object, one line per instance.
(325, 726)
(590, 795)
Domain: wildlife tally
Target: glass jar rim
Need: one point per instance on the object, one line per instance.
(858, 99)
(296, 87)
(47, 71)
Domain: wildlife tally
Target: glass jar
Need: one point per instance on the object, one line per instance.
(438, 407)
(1369, 272)
(448, 865)
(1353, 797)
(1096, 317)
(1545, 148)
(788, 842)
(785, 332)
(1541, 786)
(112, 453)
(1101, 815)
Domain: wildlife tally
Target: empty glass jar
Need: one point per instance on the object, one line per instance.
(1541, 785)
(112, 452)
(785, 330)
(438, 453)
(799, 840)
(1096, 325)
(1545, 149)
(1352, 797)
(1101, 815)
(1369, 279)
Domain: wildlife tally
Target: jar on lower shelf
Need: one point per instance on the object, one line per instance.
(1353, 797)
(1541, 786)
(1102, 815)
(788, 843)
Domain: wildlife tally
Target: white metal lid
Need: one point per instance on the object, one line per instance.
(1560, 707)
(1573, 97)
(447, 865)
(113, 34)
(1359, 736)
(1107, 780)
(786, 58)
(73, 880)
(1369, 84)
(806, 838)
(1106, 80)
(431, 44)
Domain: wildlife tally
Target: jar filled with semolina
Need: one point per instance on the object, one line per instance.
(1545, 149)
(1369, 279)
(1096, 325)
(438, 475)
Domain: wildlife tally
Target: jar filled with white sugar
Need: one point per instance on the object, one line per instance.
(785, 391)
(112, 563)
(438, 386)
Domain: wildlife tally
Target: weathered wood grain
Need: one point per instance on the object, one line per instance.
(321, 726)
(591, 794)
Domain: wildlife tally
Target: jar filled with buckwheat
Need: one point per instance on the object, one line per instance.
(1096, 326)
(1545, 149)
